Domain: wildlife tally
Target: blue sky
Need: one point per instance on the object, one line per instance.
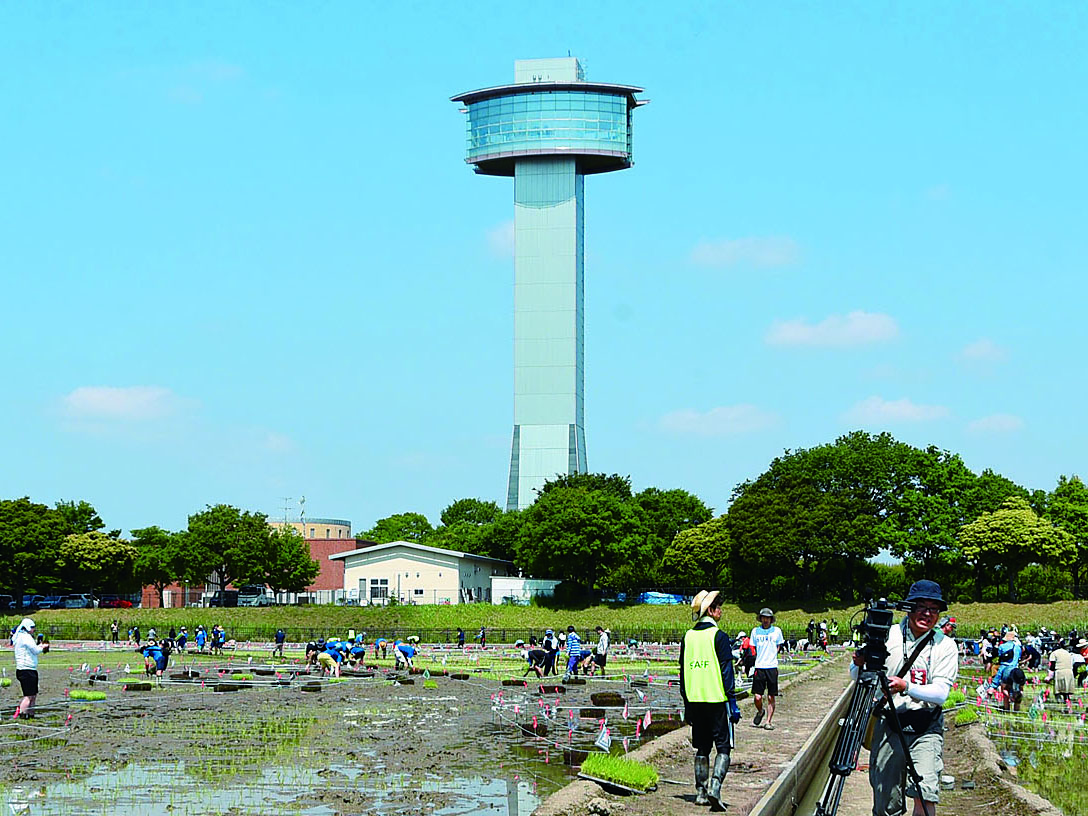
(243, 258)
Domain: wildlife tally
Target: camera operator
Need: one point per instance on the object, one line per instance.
(28, 646)
(918, 698)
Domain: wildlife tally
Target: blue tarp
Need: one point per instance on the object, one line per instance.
(660, 598)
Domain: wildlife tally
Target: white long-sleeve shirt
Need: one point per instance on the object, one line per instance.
(26, 650)
(930, 676)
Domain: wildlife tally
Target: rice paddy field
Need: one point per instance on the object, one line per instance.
(463, 733)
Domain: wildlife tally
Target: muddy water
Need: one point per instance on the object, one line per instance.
(360, 746)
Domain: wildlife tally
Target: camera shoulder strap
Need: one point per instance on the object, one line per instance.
(918, 646)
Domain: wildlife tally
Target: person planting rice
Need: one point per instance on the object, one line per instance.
(201, 638)
(330, 658)
(280, 639)
(403, 654)
(156, 658)
(357, 653)
(383, 644)
(551, 649)
(183, 639)
(536, 658)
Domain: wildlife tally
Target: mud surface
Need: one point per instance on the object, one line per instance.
(386, 744)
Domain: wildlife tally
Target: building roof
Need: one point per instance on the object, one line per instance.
(421, 547)
(470, 97)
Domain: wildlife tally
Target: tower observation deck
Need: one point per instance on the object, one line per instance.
(548, 130)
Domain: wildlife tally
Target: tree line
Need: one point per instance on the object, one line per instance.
(64, 548)
(807, 528)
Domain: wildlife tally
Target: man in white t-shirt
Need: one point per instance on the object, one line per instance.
(767, 640)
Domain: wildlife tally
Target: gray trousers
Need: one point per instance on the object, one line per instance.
(888, 769)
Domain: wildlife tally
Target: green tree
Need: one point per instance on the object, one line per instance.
(289, 566)
(158, 558)
(616, 485)
(226, 544)
(698, 555)
(577, 535)
(1010, 538)
(399, 527)
(96, 562)
(80, 517)
(470, 511)
(1067, 507)
(811, 519)
(499, 539)
(30, 537)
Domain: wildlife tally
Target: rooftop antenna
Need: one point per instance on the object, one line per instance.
(286, 508)
(302, 516)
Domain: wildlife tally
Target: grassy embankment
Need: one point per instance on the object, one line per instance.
(644, 621)
(664, 619)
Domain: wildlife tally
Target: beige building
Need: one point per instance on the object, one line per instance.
(416, 573)
(311, 528)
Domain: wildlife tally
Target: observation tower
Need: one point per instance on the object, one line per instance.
(548, 130)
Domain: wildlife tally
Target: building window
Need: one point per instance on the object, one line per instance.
(311, 532)
(327, 532)
(417, 575)
(417, 591)
(379, 588)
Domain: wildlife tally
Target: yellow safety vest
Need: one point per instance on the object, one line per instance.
(702, 672)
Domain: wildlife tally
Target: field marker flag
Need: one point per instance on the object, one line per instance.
(426, 674)
(625, 709)
(641, 695)
(646, 720)
(604, 740)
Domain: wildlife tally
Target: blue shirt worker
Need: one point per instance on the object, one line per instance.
(708, 689)
(154, 659)
(403, 654)
(574, 651)
(330, 659)
(281, 639)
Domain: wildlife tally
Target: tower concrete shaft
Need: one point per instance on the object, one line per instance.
(548, 130)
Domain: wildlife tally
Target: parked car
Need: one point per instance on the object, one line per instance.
(225, 598)
(33, 602)
(79, 600)
(7, 602)
(114, 603)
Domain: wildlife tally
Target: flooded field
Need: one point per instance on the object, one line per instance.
(274, 739)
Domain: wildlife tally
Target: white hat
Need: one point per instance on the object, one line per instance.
(27, 624)
(701, 602)
(742, 634)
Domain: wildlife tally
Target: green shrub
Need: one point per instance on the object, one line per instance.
(241, 676)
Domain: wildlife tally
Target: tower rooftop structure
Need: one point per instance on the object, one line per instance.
(548, 130)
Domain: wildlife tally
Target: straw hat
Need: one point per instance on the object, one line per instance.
(701, 602)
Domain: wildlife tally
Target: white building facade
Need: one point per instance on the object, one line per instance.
(417, 574)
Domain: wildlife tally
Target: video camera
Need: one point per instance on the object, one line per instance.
(874, 627)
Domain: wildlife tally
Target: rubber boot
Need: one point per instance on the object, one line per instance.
(702, 775)
(714, 791)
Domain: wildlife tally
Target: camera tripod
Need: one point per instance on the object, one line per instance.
(844, 757)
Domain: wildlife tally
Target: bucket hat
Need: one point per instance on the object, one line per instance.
(766, 612)
(926, 590)
(701, 603)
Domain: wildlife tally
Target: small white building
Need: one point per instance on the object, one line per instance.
(521, 591)
(418, 574)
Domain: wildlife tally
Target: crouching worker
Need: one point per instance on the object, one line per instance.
(709, 693)
(403, 653)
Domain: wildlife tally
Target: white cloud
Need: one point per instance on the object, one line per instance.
(855, 329)
(983, 351)
(875, 410)
(500, 240)
(760, 252)
(135, 402)
(996, 423)
(720, 421)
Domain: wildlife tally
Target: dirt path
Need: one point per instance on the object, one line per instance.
(760, 756)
